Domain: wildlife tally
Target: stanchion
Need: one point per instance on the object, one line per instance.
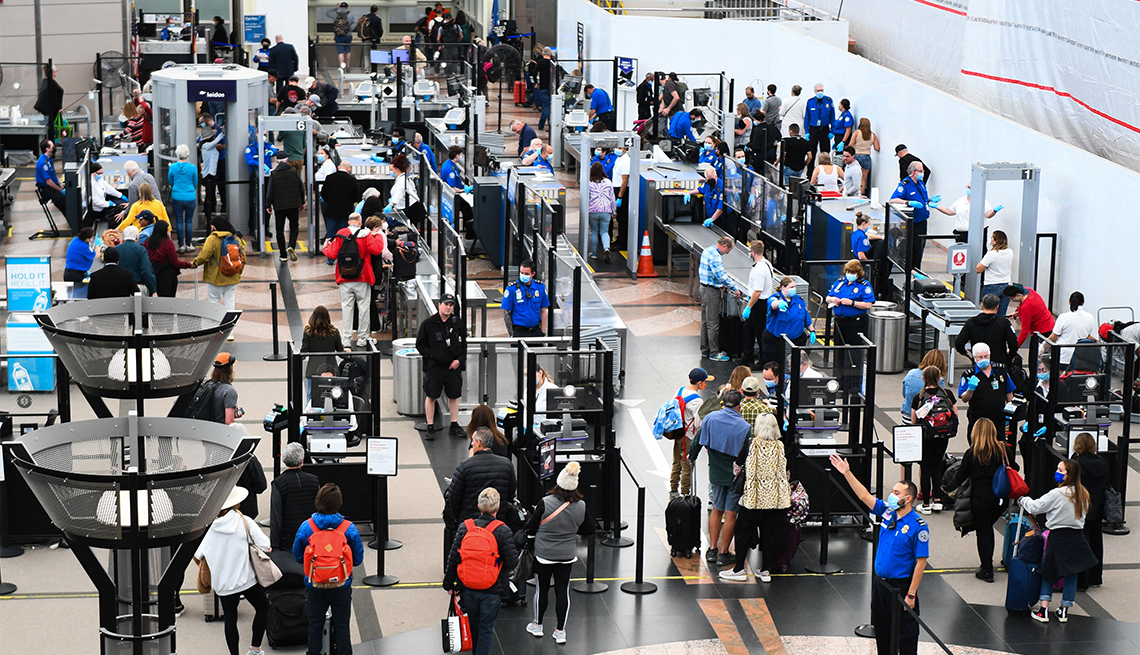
(590, 586)
(6, 548)
(867, 630)
(615, 540)
(276, 355)
(638, 585)
(896, 621)
(380, 527)
(825, 527)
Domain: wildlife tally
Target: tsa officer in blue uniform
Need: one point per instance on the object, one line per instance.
(819, 114)
(708, 153)
(900, 560)
(787, 315)
(911, 191)
(851, 297)
(452, 175)
(425, 151)
(600, 107)
(607, 159)
(713, 195)
(46, 179)
(527, 303)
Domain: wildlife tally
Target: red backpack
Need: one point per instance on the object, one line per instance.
(328, 557)
(480, 564)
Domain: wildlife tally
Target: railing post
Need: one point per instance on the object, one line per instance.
(590, 586)
(638, 586)
(276, 355)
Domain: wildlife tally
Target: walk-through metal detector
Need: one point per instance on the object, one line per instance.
(632, 143)
(288, 123)
(1027, 246)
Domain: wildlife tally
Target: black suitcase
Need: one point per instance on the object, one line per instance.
(288, 621)
(683, 523)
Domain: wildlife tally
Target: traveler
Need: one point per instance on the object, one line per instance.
(997, 264)
(183, 178)
(912, 192)
(321, 336)
(603, 206)
(474, 561)
(724, 433)
(164, 260)
(379, 228)
(286, 197)
(787, 316)
(987, 390)
(543, 384)
(912, 384)
(681, 472)
(792, 110)
(292, 497)
(80, 256)
(752, 406)
(138, 178)
(715, 282)
(140, 127)
(671, 99)
(819, 116)
(105, 199)
(1032, 312)
(220, 245)
(527, 303)
(751, 101)
(226, 549)
(1094, 477)
(442, 343)
(340, 192)
(863, 141)
(352, 248)
(852, 174)
(979, 463)
(556, 522)
(755, 313)
(906, 159)
(842, 128)
(342, 35)
(134, 258)
(111, 281)
(49, 101)
(960, 210)
(224, 399)
(765, 499)
(403, 195)
(261, 57)
(283, 58)
(795, 154)
(771, 109)
(526, 135)
(480, 470)
(147, 205)
(990, 327)
(483, 416)
(547, 76)
(324, 545)
(743, 126)
(211, 143)
(645, 98)
(936, 411)
(1067, 553)
(1071, 327)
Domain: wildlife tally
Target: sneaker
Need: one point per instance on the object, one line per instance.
(456, 430)
(363, 343)
(765, 576)
(534, 628)
(733, 575)
(1062, 614)
(283, 258)
(922, 509)
(720, 357)
(674, 494)
(430, 436)
(292, 254)
(179, 609)
(710, 555)
(606, 257)
(1040, 614)
(559, 636)
(726, 559)
(936, 506)
(983, 574)
(253, 651)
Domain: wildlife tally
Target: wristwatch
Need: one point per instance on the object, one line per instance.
(910, 596)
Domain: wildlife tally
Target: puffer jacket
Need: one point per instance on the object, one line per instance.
(211, 255)
(473, 475)
(766, 485)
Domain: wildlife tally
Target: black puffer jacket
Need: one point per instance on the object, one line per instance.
(473, 475)
(992, 330)
(1094, 477)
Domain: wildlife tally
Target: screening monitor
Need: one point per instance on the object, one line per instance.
(335, 388)
(381, 56)
(401, 55)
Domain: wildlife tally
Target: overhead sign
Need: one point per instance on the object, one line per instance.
(211, 90)
(29, 283)
(254, 29)
(956, 259)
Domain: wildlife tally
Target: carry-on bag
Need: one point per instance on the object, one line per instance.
(683, 522)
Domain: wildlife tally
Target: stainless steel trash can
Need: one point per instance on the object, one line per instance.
(888, 332)
(884, 306)
(408, 377)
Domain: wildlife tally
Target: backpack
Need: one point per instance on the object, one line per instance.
(362, 28)
(349, 263)
(798, 510)
(328, 557)
(936, 415)
(341, 26)
(230, 261)
(450, 33)
(201, 405)
(670, 419)
(480, 564)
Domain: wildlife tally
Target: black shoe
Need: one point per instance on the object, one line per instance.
(726, 559)
(983, 574)
(1062, 614)
(456, 430)
(710, 555)
(430, 436)
(1040, 614)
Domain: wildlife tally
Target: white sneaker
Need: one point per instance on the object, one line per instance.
(765, 576)
(922, 509)
(559, 636)
(936, 507)
(734, 576)
(534, 628)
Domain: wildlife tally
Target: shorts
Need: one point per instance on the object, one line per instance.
(343, 44)
(723, 498)
(438, 379)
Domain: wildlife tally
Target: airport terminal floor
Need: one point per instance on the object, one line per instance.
(692, 611)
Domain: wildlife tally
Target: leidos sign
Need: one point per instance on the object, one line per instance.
(211, 90)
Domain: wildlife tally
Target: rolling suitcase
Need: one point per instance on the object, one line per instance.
(683, 523)
(520, 92)
(288, 621)
(211, 607)
(1013, 527)
(1024, 584)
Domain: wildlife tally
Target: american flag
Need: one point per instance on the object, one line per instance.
(136, 52)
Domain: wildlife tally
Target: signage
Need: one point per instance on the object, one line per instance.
(908, 443)
(447, 206)
(382, 456)
(956, 259)
(546, 458)
(211, 90)
(254, 29)
(26, 338)
(625, 65)
(29, 283)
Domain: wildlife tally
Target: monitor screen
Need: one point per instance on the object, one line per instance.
(812, 390)
(401, 55)
(330, 387)
(381, 56)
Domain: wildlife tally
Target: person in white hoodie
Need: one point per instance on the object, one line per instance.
(225, 548)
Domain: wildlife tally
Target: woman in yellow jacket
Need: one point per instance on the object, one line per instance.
(146, 201)
(220, 285)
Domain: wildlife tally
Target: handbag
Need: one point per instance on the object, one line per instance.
(456, 628)
(264, 569)
(1008, 483)
(204, 582)
(1113, 506)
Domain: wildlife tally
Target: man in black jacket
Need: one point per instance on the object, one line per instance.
(481, 470)
(341, 192)
(482, 605)
(989, 328)
(291, 498)
(283, 58)
(442, 342)
(111, 281)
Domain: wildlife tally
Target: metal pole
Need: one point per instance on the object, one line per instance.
(380, 527)
(590, 586)
(867, 630)
(639, 586)
(276, 355)
(823, 566)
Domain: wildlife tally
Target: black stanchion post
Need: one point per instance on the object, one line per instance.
(590, 586)
(6, 548)
(639, 586)
(276, 355)
(614, 523)
(867, 630)
(825, 529)
(380, 527)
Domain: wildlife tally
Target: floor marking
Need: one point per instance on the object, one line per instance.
(663, 467)
(716, 611)
(762, 624)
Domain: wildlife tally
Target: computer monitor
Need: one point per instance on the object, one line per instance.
(813, 390)
(401, 55)
(480, 158)
(330, 387)
(1084, 387)
(380, 56)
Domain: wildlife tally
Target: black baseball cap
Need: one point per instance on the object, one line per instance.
(899, 148)
(699, 375)
(448, 298)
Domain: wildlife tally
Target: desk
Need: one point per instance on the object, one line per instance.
(23, 137)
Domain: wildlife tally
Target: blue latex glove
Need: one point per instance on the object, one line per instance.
(936, 199)
(811, 338)
(467, 188)
(914, 203)
(785, 425)
(267, 169)
(1039, 432)
(782, 305)
(972, 383)
(708, 222)
(619, 202)
(746, 313)
(932, 205)
(125, 199)
(999, 208)
(388, 209)
(687, 197)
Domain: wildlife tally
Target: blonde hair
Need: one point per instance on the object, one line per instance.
(865, 128)
(765, 428)
(1001, 241)
(824, 159)
(935, 358)
(986, 447)
(737, 378)
(146, 194)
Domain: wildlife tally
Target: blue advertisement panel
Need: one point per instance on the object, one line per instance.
(29, 283)
(26, 338)
(254, 29)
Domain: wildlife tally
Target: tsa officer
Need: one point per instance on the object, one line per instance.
(708, 154)
(787, 316)
(527, 303)
(912, 191)
(607, 159)
(710, 189)
(600, 107)
(819, 114)
(900, 560)
(851, 296)
(452, 175)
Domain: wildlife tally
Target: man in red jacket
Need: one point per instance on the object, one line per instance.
(354, 275)
(1032, 313)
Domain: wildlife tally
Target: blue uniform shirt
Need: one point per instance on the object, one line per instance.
(859, 242)
(708, 157)
(819, 113)
(451, 175)
(791, 321)
(713, 197)
(607, 163)
(909, 190)
(681, 126)
(901, 543)
(859, 291)
(843, 123)
(45, 170)
(994, 380)
(429, 155)
(525, 302)
(600, 102)
(753, 105)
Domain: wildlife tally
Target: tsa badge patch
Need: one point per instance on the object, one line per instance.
(924, 536)
(905, 529)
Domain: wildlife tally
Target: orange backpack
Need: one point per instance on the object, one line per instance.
(230, 259)
(328, 557)
(480, 564)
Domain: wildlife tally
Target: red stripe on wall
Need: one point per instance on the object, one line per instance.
(938, 6)
(1062, 94)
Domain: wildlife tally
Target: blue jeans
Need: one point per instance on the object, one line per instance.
(865, 162)
(996, 289)
(184, 220)
(1067, 595)
(599, 231)
(319, 601)
(542, 102)
(482, 611)
(788, 172)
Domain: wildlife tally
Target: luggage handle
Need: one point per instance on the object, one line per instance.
(1018, 537)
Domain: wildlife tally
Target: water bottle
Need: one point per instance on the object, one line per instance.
(21, 378)
(42, 302)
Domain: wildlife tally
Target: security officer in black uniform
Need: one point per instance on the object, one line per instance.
(852, 298)
(442, 342)
(987, 389)
(900, 559)
(911, 191)
(527, 303)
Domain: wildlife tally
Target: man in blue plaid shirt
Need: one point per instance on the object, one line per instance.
(714, 281)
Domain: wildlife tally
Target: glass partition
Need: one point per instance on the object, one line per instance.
(733, 182)
(20, 86)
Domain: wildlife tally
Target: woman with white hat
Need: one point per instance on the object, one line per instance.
(555, 523)
(226, 550)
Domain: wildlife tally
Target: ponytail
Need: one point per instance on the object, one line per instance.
(1076, 299)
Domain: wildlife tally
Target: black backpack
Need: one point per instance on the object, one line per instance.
(348, 260)
(940, 422)
(201, 405)
(450, 33)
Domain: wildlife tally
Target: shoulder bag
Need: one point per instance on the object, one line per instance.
(264, 569)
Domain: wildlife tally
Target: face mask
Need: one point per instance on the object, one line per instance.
(983, 363)
(525, 279)
(321, 158)
(706, 147)
(790, 292)
(893, 502)
(967, 192)
(851, 277)
(1044, 377)
(771, 384)
(819, 95)
(98, 176)
(1059, 477)
(597, 152)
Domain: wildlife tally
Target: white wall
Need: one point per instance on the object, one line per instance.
(1083, 197)
(290, 19)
